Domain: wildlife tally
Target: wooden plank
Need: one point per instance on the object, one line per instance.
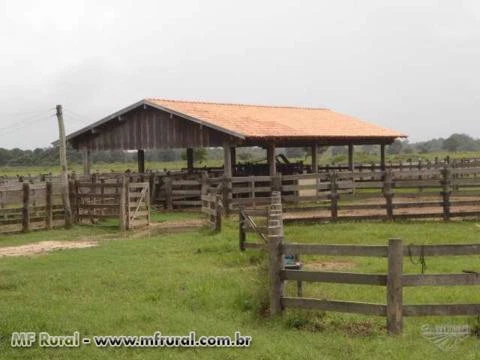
(105, 196)
(187, 202)
(441, 280)
(441, 250)
(186, 183)
(334, 277)
(345, 250)
(137, 185)
(104, 216)
(255, 212)
(195, 192)
(336, 306)
(442, 310)
(96, 185)
(99, 206)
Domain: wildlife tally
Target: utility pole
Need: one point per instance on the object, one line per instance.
(63, 165)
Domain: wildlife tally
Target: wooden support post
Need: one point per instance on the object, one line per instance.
(190, 160)
(388, 193)
(87, 161)
(227, 160)
(276, 264)
(382, 157)
(333, 195)
(314, 154)
(242, 238)
(48, 206)
(167, 180)
(26, 207)
(233, 155)
(394, 287)
(350, 157)
(122, 211)
(141, 161)
(446, 191)
(272, 163)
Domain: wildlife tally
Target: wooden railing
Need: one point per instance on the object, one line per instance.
(394, 280)
(25, 207)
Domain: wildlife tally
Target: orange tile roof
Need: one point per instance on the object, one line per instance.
(276, 121)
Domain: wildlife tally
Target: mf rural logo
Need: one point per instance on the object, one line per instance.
(446, 337)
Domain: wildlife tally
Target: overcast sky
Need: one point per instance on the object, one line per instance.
(409, 65)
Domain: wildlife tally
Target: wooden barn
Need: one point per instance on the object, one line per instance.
(163, 124)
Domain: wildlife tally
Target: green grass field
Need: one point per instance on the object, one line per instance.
(175, 283)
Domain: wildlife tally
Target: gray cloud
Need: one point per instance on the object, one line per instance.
(407, 65)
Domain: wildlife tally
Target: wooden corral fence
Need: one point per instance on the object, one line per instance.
(25, 207)
(212, 207)
(112, 198)
(408, 165)
(252, 221)
(394, 280)
(437, 193)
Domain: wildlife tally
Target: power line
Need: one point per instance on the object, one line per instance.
(78, 116)
(22, 124)
(26, 120)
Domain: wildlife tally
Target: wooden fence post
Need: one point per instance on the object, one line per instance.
(25, 208)
(77, 201)
(218, 212)
(226, 189)
(73, 198)
(123, 204)
(241, 230)
(152, 184)
(333, 195)
(167, 180)
(446, 191)
(48, 205)
(276, 183)
(388, 193)
(275, 241)
(394, 287)
(203, 183)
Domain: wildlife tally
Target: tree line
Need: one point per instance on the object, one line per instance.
(49, 155)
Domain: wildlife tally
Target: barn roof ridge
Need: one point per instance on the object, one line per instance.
(203, 102)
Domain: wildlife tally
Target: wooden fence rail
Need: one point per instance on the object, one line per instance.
(394, 280)
(27, 207)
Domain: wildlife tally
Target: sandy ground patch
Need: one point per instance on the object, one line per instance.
(45, 246)
(329, 265)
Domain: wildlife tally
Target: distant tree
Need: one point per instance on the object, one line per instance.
(294, 152)
(396, 147)
(460, 142)
(199, 155)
